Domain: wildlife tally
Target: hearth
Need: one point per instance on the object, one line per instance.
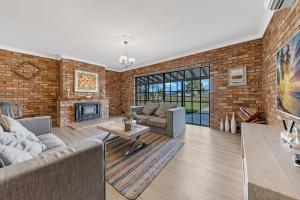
(87, 111)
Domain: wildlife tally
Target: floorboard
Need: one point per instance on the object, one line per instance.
(208, 166)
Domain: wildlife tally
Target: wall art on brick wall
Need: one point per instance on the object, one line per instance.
(288, 77)
(237, 76)
(86, 81)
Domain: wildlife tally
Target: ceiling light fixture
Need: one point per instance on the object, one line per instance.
(125, 59)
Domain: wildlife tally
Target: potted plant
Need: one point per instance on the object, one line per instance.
(127, 119)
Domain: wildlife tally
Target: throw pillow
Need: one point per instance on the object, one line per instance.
(150, 108)
(12, 125)
(13, 140)
(162, 110)
(10, 155)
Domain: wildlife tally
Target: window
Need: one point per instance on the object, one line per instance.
(187, 88)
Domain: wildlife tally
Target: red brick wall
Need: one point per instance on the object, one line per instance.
(67, 78)
(37, 96)
(66, 106)
(224, 99)
(283, 26)
(113, 92)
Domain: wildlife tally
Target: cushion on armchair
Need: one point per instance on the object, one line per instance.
(12, 125)
(10, 155)
(150, 108)
(162, 110)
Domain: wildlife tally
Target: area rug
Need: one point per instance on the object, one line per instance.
(130, 175)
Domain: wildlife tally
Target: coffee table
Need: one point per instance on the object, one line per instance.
(117, 128)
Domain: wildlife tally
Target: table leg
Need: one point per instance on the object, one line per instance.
(106, 137)
(135, 146)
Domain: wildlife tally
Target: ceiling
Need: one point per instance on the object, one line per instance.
(163, 29)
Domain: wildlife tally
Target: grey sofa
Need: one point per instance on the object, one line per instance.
(172, 125)
(62, 172)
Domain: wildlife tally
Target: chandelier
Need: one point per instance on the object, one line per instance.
(125, 60)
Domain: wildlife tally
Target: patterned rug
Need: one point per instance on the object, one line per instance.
(130, 175)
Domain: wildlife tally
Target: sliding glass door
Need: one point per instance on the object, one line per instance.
(187, 88)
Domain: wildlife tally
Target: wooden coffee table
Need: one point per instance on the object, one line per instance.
(117, 128)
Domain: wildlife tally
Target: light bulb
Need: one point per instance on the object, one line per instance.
(123, 59)
(131, 60)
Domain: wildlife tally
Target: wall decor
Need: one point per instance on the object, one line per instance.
(27, 70)
(86, 81)
(237, 76)
(288, 77)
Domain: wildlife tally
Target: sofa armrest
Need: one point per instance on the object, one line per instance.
(175, 121)
(37, 125)
(76, 172)
(136, 109)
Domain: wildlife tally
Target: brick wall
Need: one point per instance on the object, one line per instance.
(66, 106)
(37, 96)
(113, 92)
(67, 78)
(46, 94)
(224, 99)
(283, 26)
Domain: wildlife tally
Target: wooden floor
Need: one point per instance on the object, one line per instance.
(208, 167)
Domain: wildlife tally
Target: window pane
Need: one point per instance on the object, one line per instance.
(188, 74)
(205, 84)
(196, 107)
(204, 119)
(196, 96)
(188, 107)
(167, 86)
(174, 96)
(196, 72)
(174, 86)
(204, 72)
(188, 85)
(196, 119)
(189, 118)
(205, 96)
(181, 75)
(188, 96)
(196, 85)
(204, 107)
(167, 96)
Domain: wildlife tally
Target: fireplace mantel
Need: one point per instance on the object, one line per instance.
(66, 106)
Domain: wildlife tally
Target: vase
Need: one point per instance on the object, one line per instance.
(226, 124)
(127, 127)
(221, 125)
(233, 124)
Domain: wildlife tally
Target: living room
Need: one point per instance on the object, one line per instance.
(174, 100)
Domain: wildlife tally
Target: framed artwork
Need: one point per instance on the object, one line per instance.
(237, 76)
(288, 77)
(86, 81)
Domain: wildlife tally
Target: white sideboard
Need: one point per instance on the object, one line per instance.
(269, 171)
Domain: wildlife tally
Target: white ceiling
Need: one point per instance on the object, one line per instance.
(86, 30)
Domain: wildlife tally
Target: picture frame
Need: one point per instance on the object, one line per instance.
(288, 78)
(86, 82)
(237, 76)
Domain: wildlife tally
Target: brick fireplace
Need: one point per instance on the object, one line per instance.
(67, 107)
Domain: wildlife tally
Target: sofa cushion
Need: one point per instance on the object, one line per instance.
(162, 110)
(12, 125)
(20, 143)
(10, 155)
(150, 108)
(157, 121)
(51, 141)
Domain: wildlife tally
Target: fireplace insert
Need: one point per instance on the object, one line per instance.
(87, 111)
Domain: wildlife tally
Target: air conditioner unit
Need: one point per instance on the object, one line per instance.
(280, 4)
